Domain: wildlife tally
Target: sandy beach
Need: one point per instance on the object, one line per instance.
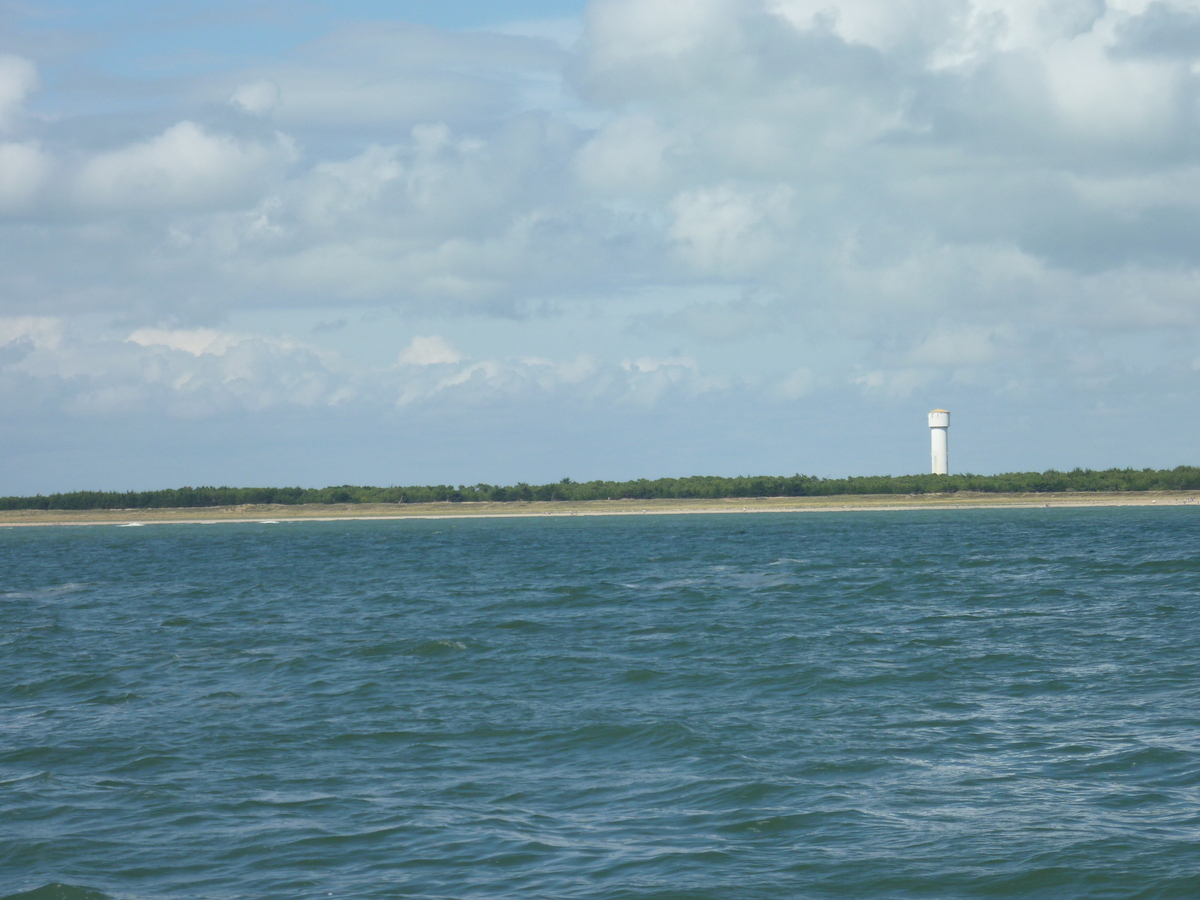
(351, 511)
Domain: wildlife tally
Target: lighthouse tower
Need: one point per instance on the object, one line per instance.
(939, 425)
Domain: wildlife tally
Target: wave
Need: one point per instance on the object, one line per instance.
(57, 891)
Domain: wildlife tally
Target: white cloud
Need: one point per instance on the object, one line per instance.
(674, 365)
(1113, 99)
(336, 191)
(256, 97)
(563, 31)
(18, 78)
(873, 23)
(726, 228)
(942, 189)
(39, 331)
(429, 351)
(632, 31)
(892, 383)
(645, 381)
(23, 170)
(949, 32)
(203, 373)
(713, 322)
(649, 380)
(799, 383)
(392, 75)
(963, 346)
(627, 154)
(196, 341)
(184, 166)
(183, 373)
(549, 372)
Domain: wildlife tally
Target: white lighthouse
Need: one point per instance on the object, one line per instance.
(939, 426)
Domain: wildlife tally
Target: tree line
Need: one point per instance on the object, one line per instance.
(700, 487)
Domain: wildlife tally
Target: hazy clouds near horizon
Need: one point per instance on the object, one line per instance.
(639, 237)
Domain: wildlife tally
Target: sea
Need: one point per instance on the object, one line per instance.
(907, 704)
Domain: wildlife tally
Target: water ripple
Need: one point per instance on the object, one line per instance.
(990, 703)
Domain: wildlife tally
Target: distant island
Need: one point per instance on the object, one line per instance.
(700, 487)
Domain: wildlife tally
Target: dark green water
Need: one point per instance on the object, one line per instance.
(925, 704)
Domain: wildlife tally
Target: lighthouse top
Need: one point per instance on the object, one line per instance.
(939, 418)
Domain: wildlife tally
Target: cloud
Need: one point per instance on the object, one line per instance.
(18, 78)
(429, 351)
(198, 373)
(894, 384)
(391, 76)
(853, 159)
(256, 97)
(628, 154)
(632, 33)
(1112, 99)
(23, 171)
(896, 195)
(727, 229)
(565, 32)
(959, 347)
(1161, 30)
(196, 341)
(549, 372)
(182, 373)
(185, 166)
(712, 322)
(42, 332)
(799, 383)
(674, 366)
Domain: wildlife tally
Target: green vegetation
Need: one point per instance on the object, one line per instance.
(697, 487)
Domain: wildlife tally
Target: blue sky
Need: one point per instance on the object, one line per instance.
(400, 243)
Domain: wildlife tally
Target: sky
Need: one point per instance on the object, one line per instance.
(266, 243)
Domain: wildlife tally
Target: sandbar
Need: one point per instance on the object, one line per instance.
(525, 509)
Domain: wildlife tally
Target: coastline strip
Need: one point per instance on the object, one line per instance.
(540, 508)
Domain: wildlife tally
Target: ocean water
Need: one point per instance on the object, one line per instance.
(956, 703)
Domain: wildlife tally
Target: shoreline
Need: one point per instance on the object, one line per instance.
(560, 508)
